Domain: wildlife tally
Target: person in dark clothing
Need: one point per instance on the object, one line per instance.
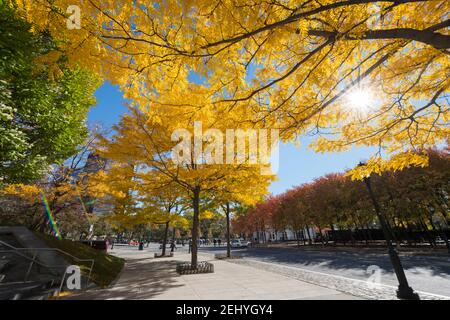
(215, 242)
(219, 241)
(172, 246)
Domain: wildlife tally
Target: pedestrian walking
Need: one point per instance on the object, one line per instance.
(215, 242)
(219, 241)
(172, 246)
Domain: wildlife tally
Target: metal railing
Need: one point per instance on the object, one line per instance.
(33, 260)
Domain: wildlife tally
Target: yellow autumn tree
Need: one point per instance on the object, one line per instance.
(136, 202)
(165, 203)
(243, 191)
(187, 147)
(355, 72)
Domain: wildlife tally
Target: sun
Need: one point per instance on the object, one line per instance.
(361, 100)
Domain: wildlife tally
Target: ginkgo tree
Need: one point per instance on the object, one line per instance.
(364, 72)
(166, 204)
(235, 195)
(135, 201)
(151, 140)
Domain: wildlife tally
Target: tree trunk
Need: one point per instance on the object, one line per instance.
(406, 230)
(333, 233)
(164, 244)
(309, 235)
(173, 239)
(352, 238)
(227, 213)
(195, 225)
(257, 235)
(369, 232)
(427, 233)
(392, 233)
(321, 236)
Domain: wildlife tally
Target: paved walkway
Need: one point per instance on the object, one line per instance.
(146, 278)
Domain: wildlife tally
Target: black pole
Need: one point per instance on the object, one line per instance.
(404, 290)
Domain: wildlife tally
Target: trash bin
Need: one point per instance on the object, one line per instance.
(141, 245)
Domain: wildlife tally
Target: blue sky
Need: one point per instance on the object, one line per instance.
(297, 165)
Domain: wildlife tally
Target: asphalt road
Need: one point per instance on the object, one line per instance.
(424, 273)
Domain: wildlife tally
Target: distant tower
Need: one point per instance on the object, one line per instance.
(94, 163)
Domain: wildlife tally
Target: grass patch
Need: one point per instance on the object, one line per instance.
(106, 267)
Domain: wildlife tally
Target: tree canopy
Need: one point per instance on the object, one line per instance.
(146, 140)
(359, 72)
(415, 198)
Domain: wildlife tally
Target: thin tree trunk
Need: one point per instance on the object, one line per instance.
(427, 233)
(333, 233)
(257, 235)
(164, 244)
(227, 213)
(352, 238)
(195, 225)
(309, 235)
(173, 239)
(405, 230)
(369, 232)
(321, 236)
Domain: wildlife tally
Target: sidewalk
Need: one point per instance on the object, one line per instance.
(147, 278)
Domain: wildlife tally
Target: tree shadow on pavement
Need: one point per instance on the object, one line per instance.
(348, 260)
(141, 279)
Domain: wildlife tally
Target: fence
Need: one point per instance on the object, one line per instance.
(377, 235)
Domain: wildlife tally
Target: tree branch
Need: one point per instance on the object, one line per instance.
(427, 36)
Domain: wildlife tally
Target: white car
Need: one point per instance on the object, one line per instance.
(239, 243)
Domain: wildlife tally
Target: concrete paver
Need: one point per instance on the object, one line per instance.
(147, 278)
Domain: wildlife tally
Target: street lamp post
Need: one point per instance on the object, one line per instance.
(404, 290)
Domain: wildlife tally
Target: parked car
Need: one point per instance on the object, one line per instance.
(239, 243)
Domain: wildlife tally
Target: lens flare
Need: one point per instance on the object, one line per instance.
(50, 216)
(361, 100)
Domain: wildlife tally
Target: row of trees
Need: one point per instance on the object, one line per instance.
(260, 65)
(412, 199)
(150, 187)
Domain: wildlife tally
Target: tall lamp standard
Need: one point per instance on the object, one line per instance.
(404, 290)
